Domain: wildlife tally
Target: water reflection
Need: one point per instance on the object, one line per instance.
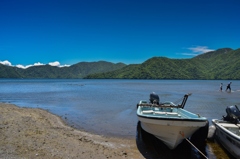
(216, 148)
(152, 148)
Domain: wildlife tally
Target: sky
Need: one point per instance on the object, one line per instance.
(65, 32)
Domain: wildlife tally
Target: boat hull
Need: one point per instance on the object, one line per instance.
(228, 135)
(170, 131)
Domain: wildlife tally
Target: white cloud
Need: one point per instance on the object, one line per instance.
(189, 54)
(197, 50)
(21, 66)
(6, 62)
(200, 49)
(65, 66)
(35, 64)
(38, 64)
(56, 63)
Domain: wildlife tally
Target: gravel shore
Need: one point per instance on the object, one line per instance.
(35, 133)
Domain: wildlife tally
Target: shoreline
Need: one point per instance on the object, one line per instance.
(36, 133)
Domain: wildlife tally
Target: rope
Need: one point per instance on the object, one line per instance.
(182, 133)
(196, 148)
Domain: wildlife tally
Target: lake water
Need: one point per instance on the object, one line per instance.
(108, 107)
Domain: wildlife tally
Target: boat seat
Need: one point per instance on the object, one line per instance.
(161, 113)
(229, 125)
(172, 113)
(168, 113)
(147, 111)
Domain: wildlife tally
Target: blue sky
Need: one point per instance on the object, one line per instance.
(65, 32)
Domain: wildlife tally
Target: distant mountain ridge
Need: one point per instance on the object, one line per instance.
(78, 70)
(220, 64)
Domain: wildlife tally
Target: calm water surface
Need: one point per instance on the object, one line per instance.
(108, 107)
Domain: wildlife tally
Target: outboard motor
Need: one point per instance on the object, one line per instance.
(154, 98)
(233, 114)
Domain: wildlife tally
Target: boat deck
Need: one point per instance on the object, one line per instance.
(167, 112)
(229, 125)
(234, 128)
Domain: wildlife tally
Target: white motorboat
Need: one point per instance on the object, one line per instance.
(228, 130)
(169, 122)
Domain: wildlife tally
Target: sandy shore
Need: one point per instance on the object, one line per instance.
(35, 133)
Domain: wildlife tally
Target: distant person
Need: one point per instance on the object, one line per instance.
(229, 86)
(221, 85)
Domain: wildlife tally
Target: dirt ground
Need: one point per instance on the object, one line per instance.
(34, 133)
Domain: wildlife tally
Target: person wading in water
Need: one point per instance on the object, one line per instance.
(229, 86)
(221, 85)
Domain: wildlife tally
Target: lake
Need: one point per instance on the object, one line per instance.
(108, 107)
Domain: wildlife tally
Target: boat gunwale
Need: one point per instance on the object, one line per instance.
(172, 118)
(226, 131)
(202, 119)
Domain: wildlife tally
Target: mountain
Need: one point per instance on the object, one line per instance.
(9, 72)
(220, 64)
(78, 70)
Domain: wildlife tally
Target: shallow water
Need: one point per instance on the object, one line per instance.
(108, 107)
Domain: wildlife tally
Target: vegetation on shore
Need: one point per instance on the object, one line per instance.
(220, 64)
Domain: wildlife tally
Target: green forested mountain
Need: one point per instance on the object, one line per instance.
(78, 70)
(9, 72)
(219, 64)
